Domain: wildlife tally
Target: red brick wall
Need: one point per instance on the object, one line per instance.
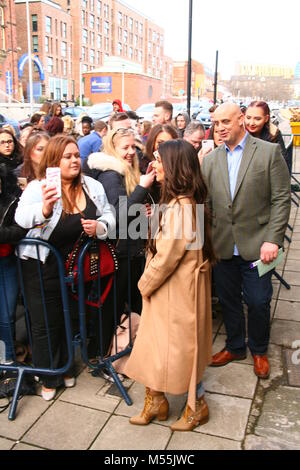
(136, 89)
(10, 46)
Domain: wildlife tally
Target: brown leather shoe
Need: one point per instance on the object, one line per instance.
(261, 366)
(224, 357)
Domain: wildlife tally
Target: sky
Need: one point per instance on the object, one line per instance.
(256, 31)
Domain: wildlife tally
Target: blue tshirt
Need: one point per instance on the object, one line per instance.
(89, 144)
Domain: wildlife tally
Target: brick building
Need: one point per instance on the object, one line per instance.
(74, 37)
(8, 50)
(202, 79)
(51, 41)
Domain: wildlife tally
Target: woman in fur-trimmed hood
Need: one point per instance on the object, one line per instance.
(117, 168)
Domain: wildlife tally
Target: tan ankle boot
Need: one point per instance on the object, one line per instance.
(156, 406)
(191, 419)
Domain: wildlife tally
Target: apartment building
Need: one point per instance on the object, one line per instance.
(51, 46)
(9, 83)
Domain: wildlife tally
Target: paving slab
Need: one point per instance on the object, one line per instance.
(29, 409)
(137, 394)
(284, 333)
(292, 361)
(293, 278)
(295, 245)
(196, 441)
(292, 294)
(280, 417)
(228, 417)
(234, 379)
(295, 236)
(88, 393)
(67, 427)
(292, 265)
(119, 434)
(293, 253)
(23, 446)
(253, 442)
(286, 310)
(5, 444)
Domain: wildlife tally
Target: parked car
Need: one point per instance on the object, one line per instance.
(145, 111)
(74, 111)
(12, 122)
(204, 118)
(103, 111)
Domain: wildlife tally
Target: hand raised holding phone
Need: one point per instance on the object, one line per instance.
(51, 190)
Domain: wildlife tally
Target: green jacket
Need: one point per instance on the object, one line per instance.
(261, 204)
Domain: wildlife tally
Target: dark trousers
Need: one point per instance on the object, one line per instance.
(101, 332)
(55, 334)
(236, 281)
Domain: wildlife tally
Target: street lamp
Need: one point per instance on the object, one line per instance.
(29, 58)
(189, 75)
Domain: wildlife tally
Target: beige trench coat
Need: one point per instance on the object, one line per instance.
(174, 341)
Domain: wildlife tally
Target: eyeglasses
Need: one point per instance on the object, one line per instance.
(6, 142)
(157, 156)
(122, 131)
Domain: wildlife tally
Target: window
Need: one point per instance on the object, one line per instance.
(130, 53)
(106, 45)
(98, 24)
(136, 25)
(119, 34)
(106, 28)
(140, 56)
(99, 41)
(82, 17)
(84, 68)
(119, 48)
(135, 41)
(99, 7)
(83, 53)
(125, 35)
(35, 45)
(46, 44)
(63, 49)
(98, 58)
(84, 4)
(92, 6)
(48, 25)
(92, 56)
(64, 30)
(154, 36)
(92, 21)
(149, 47)
(84, 36)
(141, 29)
(130, 24)
(120, 16)
(92, 39)
(50, 64)
(125, 50)
(34, 22)
(106, 11)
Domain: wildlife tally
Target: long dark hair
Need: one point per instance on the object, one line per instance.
(16, 156)
(51, 158)
(32, 141)
(266, 132)
(154, 132)
(183, 178)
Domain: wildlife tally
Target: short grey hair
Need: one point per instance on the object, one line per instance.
(192, 127)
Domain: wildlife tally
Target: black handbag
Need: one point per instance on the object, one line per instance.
(8, 383)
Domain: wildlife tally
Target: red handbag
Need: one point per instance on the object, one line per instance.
(100, 254)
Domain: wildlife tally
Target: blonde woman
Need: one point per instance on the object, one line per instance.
(117, 168)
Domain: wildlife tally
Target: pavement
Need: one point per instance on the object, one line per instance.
(246, 413)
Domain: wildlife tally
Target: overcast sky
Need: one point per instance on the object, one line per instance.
(264, 31)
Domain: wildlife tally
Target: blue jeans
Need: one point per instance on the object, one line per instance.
(236, 281)
(9, 288)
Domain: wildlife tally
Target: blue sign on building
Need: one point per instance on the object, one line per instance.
(101, 84)
(8, 83)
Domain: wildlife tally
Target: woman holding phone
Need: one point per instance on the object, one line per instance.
(173, 345)
(10, 233)
(117, 168)
(83, 206)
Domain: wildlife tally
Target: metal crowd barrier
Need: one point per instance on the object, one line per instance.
(22, 369)
(72, 342)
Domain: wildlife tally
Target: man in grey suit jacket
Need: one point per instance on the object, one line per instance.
(249, 191)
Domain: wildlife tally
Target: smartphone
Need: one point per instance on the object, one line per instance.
(53, 178)
(22, 182)
(208, 145)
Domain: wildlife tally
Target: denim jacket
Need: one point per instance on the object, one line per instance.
(29, 215)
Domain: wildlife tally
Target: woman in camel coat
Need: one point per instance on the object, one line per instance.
(174, 341)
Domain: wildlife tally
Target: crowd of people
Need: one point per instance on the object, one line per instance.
(242, 183)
